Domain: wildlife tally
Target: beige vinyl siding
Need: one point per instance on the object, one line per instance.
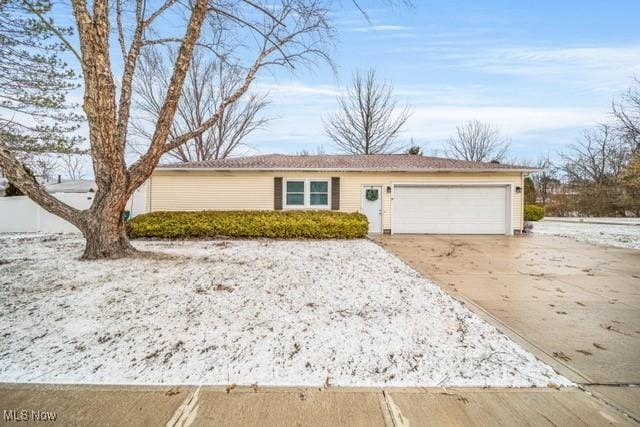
(196, 190)
(201, 190)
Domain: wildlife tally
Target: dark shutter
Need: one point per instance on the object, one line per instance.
(277, 193)
(335, 193)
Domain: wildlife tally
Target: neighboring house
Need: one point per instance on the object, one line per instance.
(398, 193)
(136, 204)
(72, 186)
(76, 186)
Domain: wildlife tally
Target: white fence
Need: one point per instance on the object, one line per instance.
(20, 214)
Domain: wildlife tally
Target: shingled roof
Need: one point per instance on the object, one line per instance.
(376, 162)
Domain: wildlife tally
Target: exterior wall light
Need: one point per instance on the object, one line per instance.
(388, 189)
(518, 189)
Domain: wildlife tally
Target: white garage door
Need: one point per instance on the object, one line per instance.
(450, 210)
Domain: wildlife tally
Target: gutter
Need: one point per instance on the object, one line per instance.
(174, 169)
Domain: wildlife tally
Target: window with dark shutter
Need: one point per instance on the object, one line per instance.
(335, 193)
(277, 193)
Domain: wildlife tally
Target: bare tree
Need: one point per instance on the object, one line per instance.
(627, 115)
(210, 80)
(593, 167)
(626, 112)
(630, 181)
(476, 141)
(74, 166)
(318, 151)
(368, 121)
(286, 33)
(598, 157)
(546, 180)
(43, 167)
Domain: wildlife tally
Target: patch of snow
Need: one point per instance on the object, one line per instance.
(286, 313)
(595, 220)
(623, 235)
(21, 236)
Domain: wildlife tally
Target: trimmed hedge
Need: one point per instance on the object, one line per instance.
(533, 213)
(249, 224)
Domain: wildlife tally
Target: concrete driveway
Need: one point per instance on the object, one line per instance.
(575, 305)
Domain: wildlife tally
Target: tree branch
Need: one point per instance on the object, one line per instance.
(123, 49)
(159, 12)
(53, 29)
(131, 59)
(176, 142)
(140, 170)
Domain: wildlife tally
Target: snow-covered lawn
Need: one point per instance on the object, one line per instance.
(241, 312)
(595, 220)
(624, 236)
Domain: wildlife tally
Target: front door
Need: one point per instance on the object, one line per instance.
(372, 207)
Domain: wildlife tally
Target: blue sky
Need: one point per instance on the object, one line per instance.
(541, 71)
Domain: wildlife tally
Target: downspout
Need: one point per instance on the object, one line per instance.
(522, 203)
(149, 194)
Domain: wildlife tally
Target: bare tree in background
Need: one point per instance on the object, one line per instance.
(627, 114)
(546, 180)
(598, 157)
(369, 121)
(210, 80)
(318, 151)
(593, 167)
(44, 167)
(476, 141)
(630, 180)
(74, 166)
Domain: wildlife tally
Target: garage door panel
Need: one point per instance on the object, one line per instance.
(450, 210)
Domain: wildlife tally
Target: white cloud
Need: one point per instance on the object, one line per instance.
(381, 28)
(295, 92)
(598, 56)
(590, 68)
(439, 122)
(437, 110)
(538, 128)
(565, 62)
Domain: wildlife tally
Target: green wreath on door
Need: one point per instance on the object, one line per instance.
(371, 194)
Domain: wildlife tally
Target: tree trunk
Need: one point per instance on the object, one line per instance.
(104, 232)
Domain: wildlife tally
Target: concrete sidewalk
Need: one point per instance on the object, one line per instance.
(181, 406)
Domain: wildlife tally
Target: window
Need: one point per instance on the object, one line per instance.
(307, 193)
(319, 193)
(295, 193)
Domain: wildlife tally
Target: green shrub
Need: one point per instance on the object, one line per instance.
(533, 213)
(249, 224)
